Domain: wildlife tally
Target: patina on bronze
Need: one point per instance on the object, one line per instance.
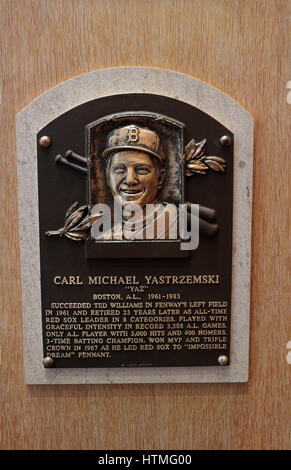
(137, 303)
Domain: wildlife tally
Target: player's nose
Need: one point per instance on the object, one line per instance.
(131, 177)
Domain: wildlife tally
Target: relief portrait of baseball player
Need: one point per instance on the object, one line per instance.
(135, 174)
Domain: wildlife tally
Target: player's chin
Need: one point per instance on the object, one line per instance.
(138, 199)
(132, 201)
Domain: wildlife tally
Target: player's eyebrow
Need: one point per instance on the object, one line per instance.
(118, 165)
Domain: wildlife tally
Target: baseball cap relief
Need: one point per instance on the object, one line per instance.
(134, 138)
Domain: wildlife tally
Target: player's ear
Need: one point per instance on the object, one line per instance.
(162, 177)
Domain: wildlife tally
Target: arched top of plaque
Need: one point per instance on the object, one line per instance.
(202, 113)
(123, 80)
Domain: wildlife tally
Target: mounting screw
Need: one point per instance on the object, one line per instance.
(45, 141)
(48, 362)
(225, 140)
(222, 360)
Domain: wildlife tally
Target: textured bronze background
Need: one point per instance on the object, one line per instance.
(241, 48)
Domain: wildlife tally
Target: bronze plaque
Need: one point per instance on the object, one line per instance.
(125, 282)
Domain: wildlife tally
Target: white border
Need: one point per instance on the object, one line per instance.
(74, 92)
